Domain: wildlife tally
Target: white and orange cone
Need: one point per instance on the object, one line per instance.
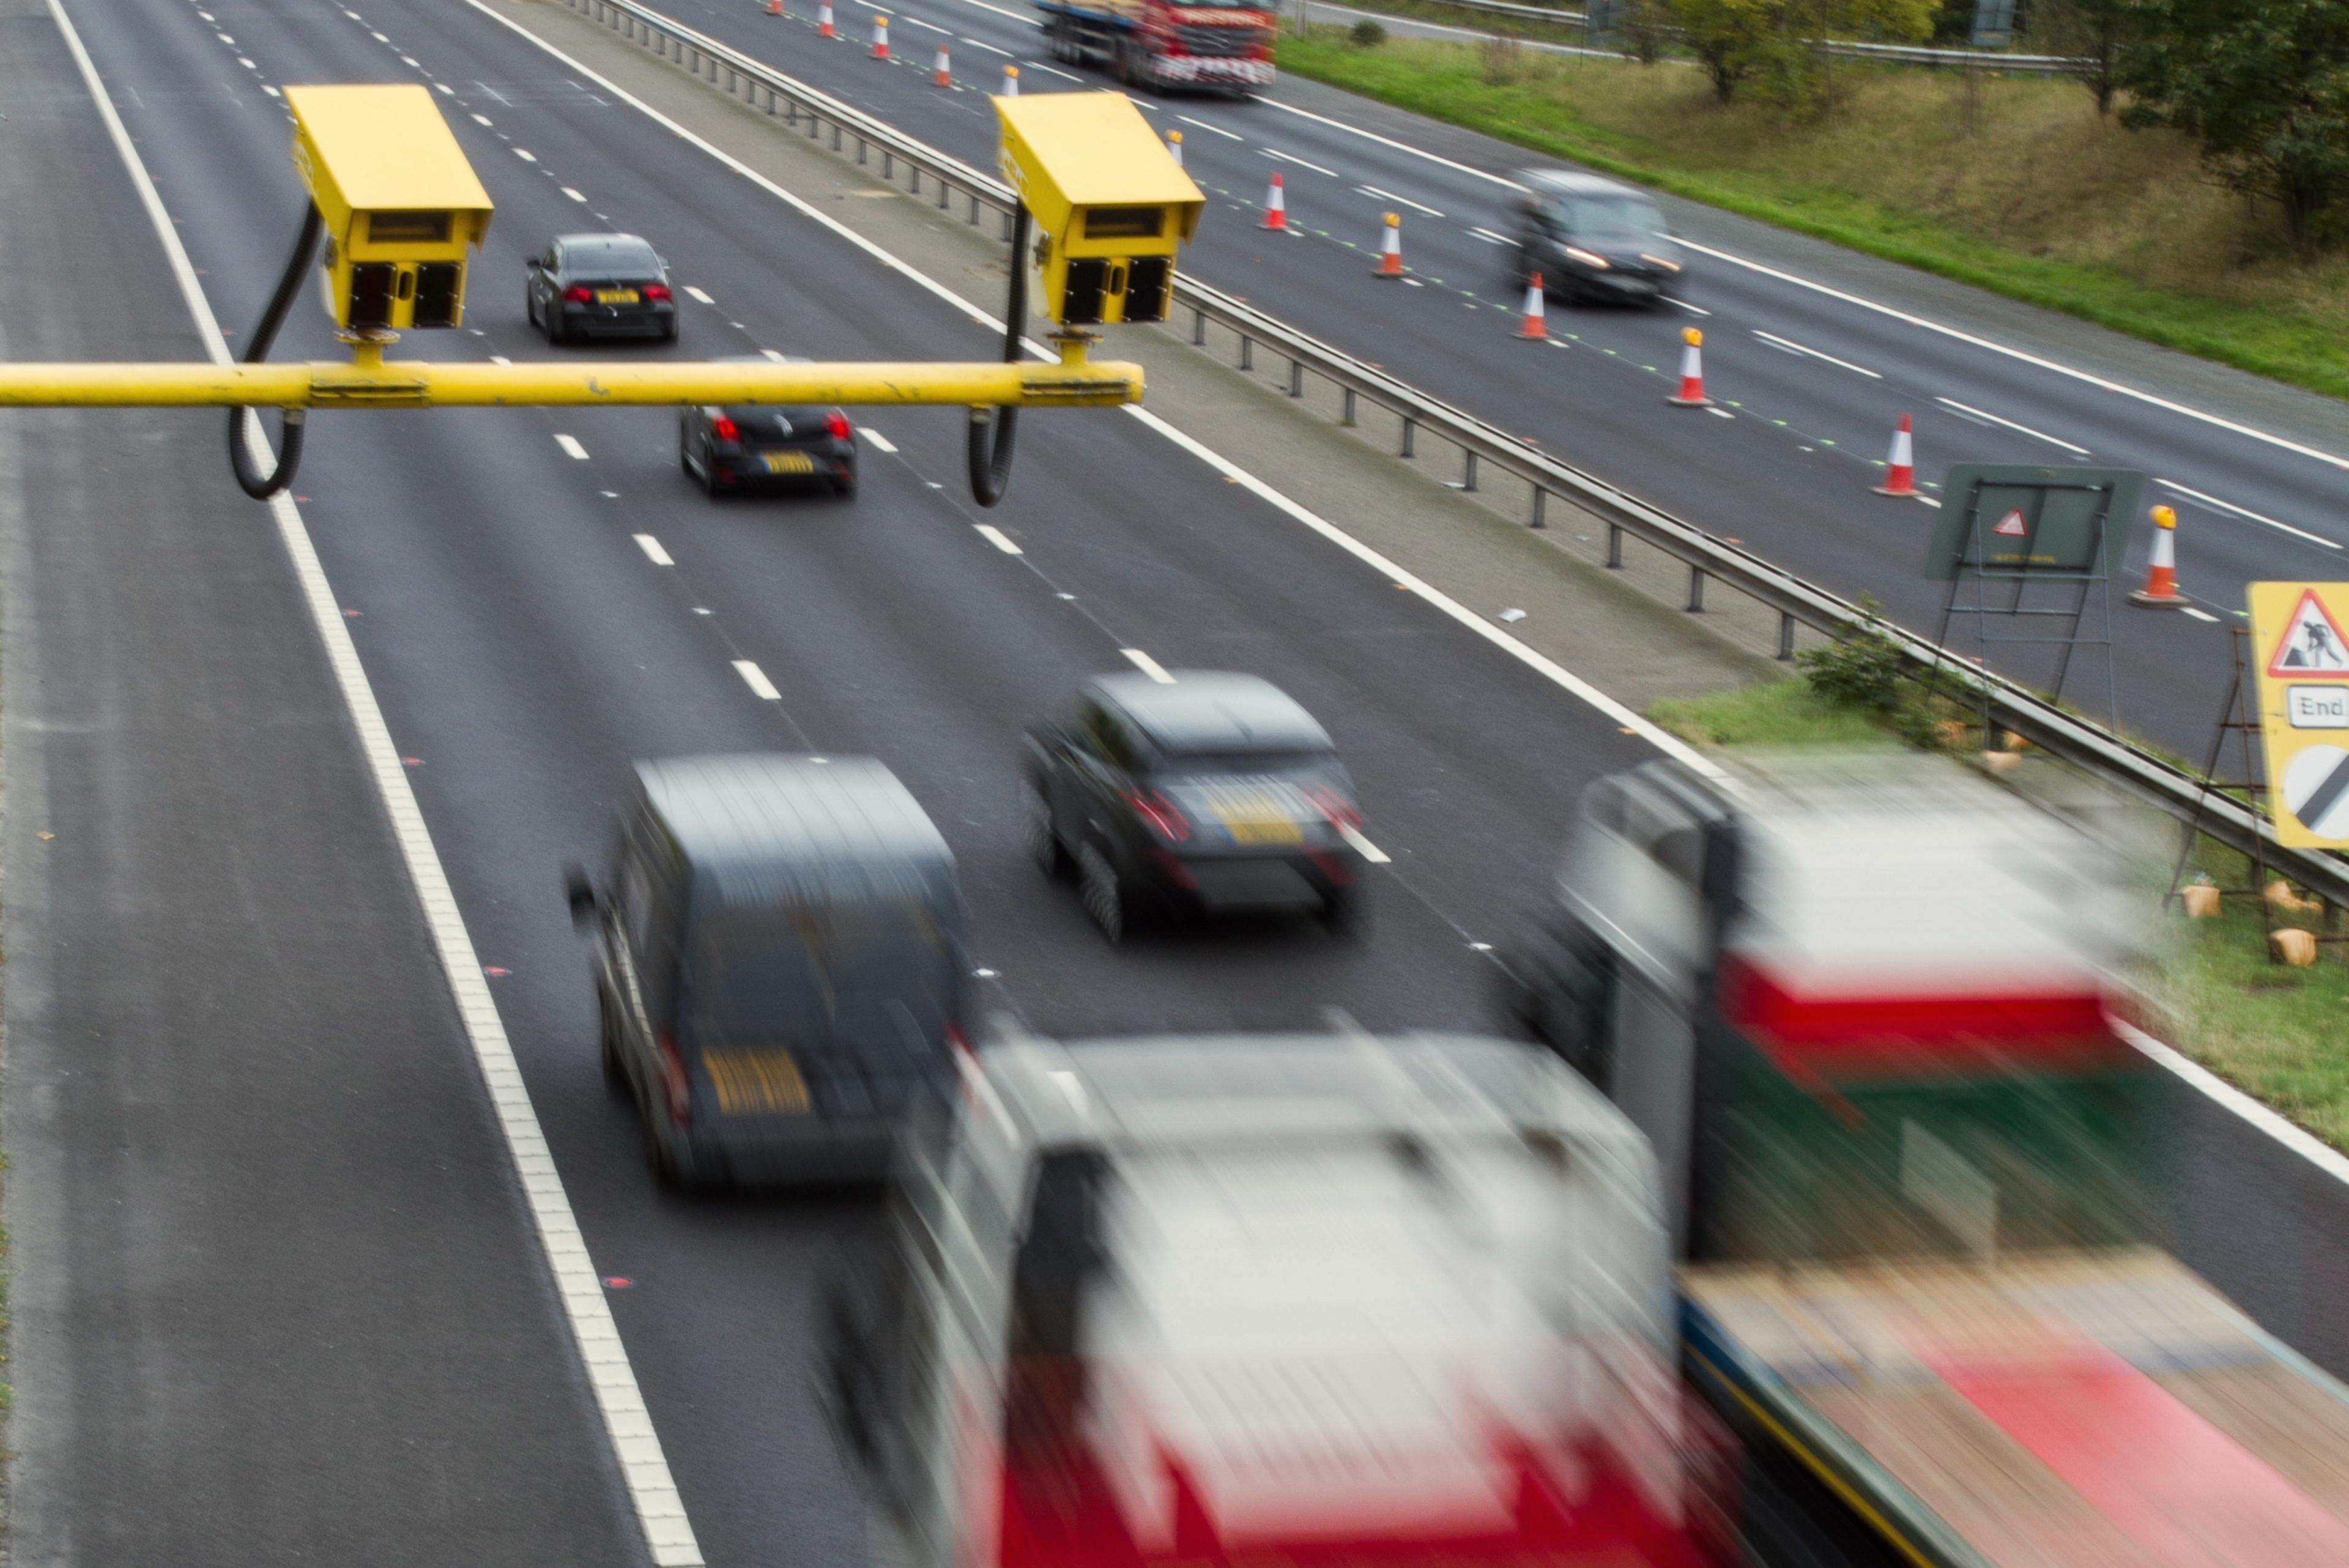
(2160, 590)
(1390, 248)
(1533, 328)
(942, 73)
(1175, 147)
(1011, 81)
(1691, 392)
(1900, 467)
(1276, 207)
(880, 36)
(823, 18)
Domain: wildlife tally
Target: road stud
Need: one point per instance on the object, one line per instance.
(1691, 392)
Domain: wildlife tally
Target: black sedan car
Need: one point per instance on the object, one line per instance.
(1592, 239)
(1204, 792)
(759, 446)
(601, 286)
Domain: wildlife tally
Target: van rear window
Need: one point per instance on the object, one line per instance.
(880, 976)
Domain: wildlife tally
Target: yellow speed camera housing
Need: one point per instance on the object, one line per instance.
(400, 203)
(1108, 202)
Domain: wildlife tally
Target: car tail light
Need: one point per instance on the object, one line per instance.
(1343, 813)
(577, 294)
(836, 424)
(657, 291)
(1155, 809)
(674, 1083)
(724, 429)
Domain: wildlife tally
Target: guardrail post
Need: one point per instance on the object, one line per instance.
(1347, 418)
(1410, 430)
(1198, 329)
(946, 195)
(1696, 589)
(1786, 635)
(1541, 505)
(1247, 352)
(974, 209)
(1296, 377)
(861, 148)
(888, 166)
(1007, 226)
(1615, 547)
(1467, 469)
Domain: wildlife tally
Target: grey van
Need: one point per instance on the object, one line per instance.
(780, 964)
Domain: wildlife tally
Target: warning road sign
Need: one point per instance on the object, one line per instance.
(2304, 678)
(2013, 525)
(2312, 643)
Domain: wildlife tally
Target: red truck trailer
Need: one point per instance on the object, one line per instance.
(1153, 44)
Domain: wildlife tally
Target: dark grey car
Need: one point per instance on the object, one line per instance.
(757, 446)
(1592, 239)
(1205, 793)
(601, 286)
(781, 967)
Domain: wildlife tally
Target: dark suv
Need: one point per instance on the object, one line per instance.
(1592, 239)
(1206, 791)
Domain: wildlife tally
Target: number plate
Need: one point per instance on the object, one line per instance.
(616, 297)
(756, 1082)
(788, 462)
(1264, 832)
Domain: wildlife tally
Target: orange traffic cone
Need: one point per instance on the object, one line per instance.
(1175, 147)
(1532, 328)
(823, 18)
(880, 36)
(1276, 208)
(2160, 590)
(942, 73)
(1011, 81)
(1900, 468)
(1691, 392)
(1390, 248)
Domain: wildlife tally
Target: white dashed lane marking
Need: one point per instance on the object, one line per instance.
(1148, 665)
(571, 445)
(652, 551)
(756, 680)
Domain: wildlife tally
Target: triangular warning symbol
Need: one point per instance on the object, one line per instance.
(2012, 524)
(2312, 643)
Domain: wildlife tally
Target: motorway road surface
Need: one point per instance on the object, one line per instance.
(1810, 380)
(280, 1298)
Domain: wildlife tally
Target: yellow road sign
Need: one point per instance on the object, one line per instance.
(2300, 635)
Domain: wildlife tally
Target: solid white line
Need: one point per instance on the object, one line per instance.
(652, 551)
(1404, 201)
(876, 437)
(1549, 669)
(526, 154)
(756, 680)
(1363, 846)
(571, 444)
(2200, 615)
(983, 43)
(1023, 21)
(1217, 129)
(1381, 140)
(2245, 511)
(1791, 346)
(2026, 429)
(572, 195)
(1490, 238)
(1292, 158)
(2306, 1144)
(601, 1354)
(698, 294)
(2122, 388)
(1684, 304)
(933, 27)
(1041, 66)
(997, 538)
(1148, 665)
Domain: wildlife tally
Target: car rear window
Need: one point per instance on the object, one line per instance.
(767, 422)
(634, 259)
(853, 974)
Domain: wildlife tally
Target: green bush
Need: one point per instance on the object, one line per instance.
(1860, 668)
(1367, 34)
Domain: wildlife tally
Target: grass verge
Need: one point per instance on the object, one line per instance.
(2021, 189)
(2273, 1031)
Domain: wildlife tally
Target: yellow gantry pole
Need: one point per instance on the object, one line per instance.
(398, 384)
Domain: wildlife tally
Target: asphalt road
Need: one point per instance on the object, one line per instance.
(336, 1267)
(1814, 379)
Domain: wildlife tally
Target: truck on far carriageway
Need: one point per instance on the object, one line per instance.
(1151, 42)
